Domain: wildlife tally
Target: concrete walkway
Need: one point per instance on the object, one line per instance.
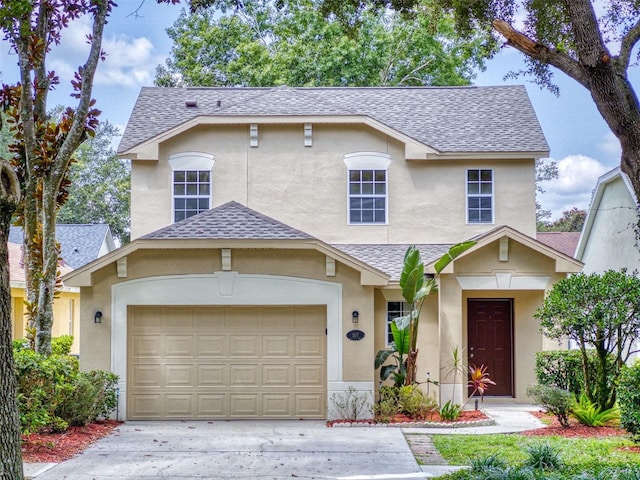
(270, 450)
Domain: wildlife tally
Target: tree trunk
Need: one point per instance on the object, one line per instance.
(10, 443)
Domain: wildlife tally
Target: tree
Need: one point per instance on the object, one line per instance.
(546, 169)
(263, 45)
(42, 146)
(590, 41)
(599, 312)
(100, 185)
(10, 441)
(571, 221)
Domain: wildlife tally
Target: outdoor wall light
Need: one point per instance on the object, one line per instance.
(97, 318)
(354, 316)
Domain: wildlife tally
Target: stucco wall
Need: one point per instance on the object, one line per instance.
(306, 187)
(612, 242)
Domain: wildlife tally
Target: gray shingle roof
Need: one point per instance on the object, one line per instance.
(230, 221)
(79, 243)
(389, 258)
(449, 119)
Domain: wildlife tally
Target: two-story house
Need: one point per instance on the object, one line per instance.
(271, 223)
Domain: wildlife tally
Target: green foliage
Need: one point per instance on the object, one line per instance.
(599, 313)
(61, 345)
(560, 368)
(589, 414)
(261, 44)
(100, 185)
(450, 411)
(53, 393)
(543, 456)
(571, 221)
(554, 400)
(487, 463)
(409, 400)
(629, 399)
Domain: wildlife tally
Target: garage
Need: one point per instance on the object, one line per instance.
(209, 362)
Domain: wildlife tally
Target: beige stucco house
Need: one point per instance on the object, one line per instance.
(270, 224)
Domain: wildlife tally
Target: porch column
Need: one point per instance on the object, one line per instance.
(451, 336)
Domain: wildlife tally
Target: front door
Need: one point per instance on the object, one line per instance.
(490, 341)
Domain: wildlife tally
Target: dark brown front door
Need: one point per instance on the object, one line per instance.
(490, 341)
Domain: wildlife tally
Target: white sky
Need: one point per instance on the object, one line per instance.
(579, 139)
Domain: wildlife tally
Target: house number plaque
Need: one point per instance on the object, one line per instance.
(355, 335)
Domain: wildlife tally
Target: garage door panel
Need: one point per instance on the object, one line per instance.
(147, 346)
(226, 362)
(146, 375)
(211, 346)
(309, 346)
(178, 405)
(244, 375)
(243, 405)
(212, 376)
(212, 405)
(276, 346)
(276, 375)
(179, 375)
(244, 346)
(178, 346)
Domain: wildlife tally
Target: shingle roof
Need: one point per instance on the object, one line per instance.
(80, 243)
(449, 119)
(16, 264)
(230, 221)
(389, 258)
(565, 242)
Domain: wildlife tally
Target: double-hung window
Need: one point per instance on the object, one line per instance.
(479, 196)
(367, 187)
(367, 196)
(395, 310)
(191, 175)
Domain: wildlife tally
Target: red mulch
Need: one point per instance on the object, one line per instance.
(465, 416)
(575, 429)
(56, 447)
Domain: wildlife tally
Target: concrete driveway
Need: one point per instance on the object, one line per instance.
(243, 449)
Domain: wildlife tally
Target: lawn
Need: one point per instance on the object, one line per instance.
(578, 454)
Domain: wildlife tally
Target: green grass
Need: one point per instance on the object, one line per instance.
(578, 454)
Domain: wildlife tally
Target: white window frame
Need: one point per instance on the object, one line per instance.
(480, 194)
(368, 161)
(404, 310)
(189, 162)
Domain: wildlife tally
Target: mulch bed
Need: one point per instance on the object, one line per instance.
(575, 429)
(57, 447)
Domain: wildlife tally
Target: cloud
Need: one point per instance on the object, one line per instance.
(577, 177)
(130, 61)
(610, 146)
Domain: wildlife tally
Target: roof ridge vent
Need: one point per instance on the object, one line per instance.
(191, 103)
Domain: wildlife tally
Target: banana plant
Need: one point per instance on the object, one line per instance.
(415, 288)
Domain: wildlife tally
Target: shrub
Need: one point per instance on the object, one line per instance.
(629, 400)
(589, 414)
(553, 399)
(543, 456)
(560, 368)
(93, 397)
(490, 462)
(61, 345)
(414, 402)
(350, 404)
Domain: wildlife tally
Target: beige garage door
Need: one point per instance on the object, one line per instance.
(226, 362)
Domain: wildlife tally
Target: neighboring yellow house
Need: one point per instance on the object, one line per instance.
(79, 243)
(66, 307)
(269, 227)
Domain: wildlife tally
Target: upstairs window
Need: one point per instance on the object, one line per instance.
(191, 193)
(191, 183)
(367, 196)
(479, 196)
(367, 187)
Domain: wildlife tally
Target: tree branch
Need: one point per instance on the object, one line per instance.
(542, 53)
(588, 43)
(41, 81)
(628, 42)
